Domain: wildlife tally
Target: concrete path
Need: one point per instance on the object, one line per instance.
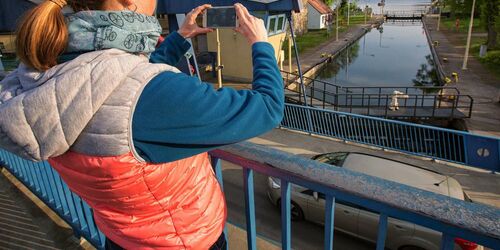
(23, 225)
(480, 185)
(476, 81)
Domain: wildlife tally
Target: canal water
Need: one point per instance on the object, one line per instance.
(395, 54)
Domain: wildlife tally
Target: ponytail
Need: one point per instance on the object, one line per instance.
(42, 36)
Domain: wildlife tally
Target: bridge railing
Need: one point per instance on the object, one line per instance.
(47, 185)
(433, 142)
(453, 218)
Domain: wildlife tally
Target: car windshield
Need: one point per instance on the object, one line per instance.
(335, 159)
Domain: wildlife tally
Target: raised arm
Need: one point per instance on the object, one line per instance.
(179, 116)
(175, 45)
(171, 50)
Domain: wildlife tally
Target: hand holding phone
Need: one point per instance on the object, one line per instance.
(251, 27)
(190, 28)
(220, 17)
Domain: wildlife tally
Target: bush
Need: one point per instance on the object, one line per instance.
(492, 58)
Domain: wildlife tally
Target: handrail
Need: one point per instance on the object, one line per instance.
(434, 142)
(454, 218)
(43, 181)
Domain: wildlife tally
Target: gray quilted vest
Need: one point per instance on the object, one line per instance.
(85, 105)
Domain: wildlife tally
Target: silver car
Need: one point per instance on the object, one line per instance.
(363, 223)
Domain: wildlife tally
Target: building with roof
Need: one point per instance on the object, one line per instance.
(319, 14)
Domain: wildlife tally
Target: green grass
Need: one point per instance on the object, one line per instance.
(309, 40)
(492, 60)
(449, 24)
(358, 19)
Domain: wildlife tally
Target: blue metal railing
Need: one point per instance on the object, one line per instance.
(47, 185)
(453, 218)
(437, 143)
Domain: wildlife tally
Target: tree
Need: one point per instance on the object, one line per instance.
(461, 8)
(490, 19)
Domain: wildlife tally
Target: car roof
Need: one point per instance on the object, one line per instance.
(403, 173)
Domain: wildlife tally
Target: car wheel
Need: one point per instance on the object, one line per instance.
(297, 213)
(411, 248)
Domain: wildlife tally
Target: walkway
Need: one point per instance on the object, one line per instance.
(23, 225)
(475, 81)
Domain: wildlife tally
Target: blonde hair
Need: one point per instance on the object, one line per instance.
(42, 35)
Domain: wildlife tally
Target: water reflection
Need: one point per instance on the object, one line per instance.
(396, 54)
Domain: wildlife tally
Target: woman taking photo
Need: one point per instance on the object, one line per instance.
(126, 130)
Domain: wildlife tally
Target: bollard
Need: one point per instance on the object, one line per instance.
(455, 76)
(436, 43)
(482, 51)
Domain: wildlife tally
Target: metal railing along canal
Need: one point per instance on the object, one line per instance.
(453, 218)
(419, 102)
(434, 142)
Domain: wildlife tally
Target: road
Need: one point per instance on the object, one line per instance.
(305, 235)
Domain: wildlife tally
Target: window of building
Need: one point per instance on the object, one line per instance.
(276, 24)
(271, 28)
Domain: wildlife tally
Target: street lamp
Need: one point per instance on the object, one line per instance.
(439, 17)
(471, 23)
(348, 11)
(337, 22)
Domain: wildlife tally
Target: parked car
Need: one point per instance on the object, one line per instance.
(361, 222)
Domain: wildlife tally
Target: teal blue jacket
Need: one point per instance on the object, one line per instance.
(178, 116)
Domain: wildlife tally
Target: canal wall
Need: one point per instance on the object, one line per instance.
(437, 63)
(313, 62)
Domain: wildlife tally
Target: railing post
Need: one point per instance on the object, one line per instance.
(379, 96)
(415, 107)
(455, 106)
(329, 222)
(382, 232)
(406, 99)
(286, 235)
(369, 104)
(386, 105)
(434, 106)
(447, 242)
(324, 98)
(216, 164)
(250, 208)
(471, 105)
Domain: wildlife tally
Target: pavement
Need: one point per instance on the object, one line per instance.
(25, 225)
(476, 81)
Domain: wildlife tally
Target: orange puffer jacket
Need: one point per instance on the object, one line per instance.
(176, 205)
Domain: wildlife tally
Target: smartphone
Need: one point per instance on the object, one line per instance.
(220, 17)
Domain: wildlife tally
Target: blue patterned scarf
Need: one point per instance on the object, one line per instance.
(125, 30)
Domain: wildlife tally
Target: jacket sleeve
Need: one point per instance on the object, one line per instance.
(170, 52)
(178, 116)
